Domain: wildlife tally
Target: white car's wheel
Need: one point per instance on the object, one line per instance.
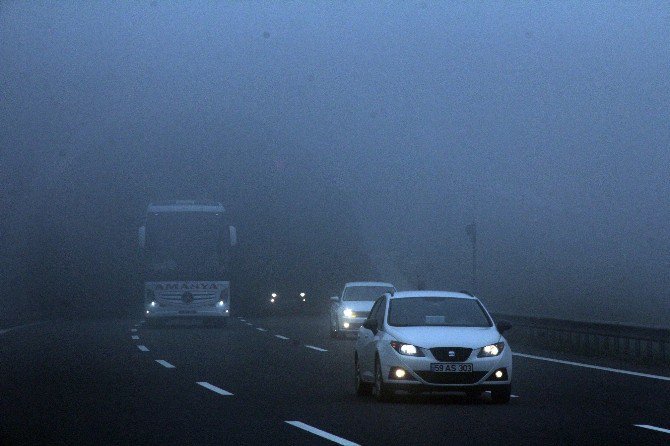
(380, 390)
(333, 329)
(362, 388)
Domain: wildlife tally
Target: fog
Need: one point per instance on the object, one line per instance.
(348, 141)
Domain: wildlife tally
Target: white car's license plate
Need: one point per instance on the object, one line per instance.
(450, 367)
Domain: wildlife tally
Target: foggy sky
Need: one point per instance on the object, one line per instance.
(347, 140)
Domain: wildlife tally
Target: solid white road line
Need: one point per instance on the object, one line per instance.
(322, 434)
(280, 337)
(143, 348)
(7, 330)
(589, 366)
(165, 364)
(213, 388)
(260, 329)
(135, 337)
(316, 348)
(653, 428)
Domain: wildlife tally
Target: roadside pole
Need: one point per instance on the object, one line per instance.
(471, 230)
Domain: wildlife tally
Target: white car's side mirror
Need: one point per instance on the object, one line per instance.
(335, 298)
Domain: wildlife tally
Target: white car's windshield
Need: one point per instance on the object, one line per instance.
(437, 311)
(369, 293)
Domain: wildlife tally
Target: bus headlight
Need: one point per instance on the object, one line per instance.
(348, 312)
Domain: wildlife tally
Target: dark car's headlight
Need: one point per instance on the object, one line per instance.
(406, 349)
(491, 350)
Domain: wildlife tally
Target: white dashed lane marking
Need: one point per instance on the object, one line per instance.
(319, 349)
(134, 330)
(488, 392)
(143, 348)
(135, 337)
(281, 337)
(322, 434)
(653, 428)
(7, 330)
(260, 329)
(213, 388)
(165, 364)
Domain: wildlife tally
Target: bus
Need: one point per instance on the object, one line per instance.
(185, 251)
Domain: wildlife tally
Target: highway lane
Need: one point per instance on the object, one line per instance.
(90, 382)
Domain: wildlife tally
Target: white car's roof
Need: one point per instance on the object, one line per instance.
(384, 284)
(404, 294)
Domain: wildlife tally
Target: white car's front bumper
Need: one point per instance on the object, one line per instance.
(350, 324)
(419, 374)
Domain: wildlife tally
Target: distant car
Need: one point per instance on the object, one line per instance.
(286, 302)
(348, 311)
(432, 341)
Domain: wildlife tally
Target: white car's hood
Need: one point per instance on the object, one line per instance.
(429, 337)
(358, 306)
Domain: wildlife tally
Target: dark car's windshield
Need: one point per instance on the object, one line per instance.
(437, 311)
(369, 293)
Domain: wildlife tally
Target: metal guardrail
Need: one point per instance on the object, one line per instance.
(645, 344)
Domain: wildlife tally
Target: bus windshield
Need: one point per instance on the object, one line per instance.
(184, 245)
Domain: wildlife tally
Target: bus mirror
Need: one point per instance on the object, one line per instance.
(233, 235)
(141, 236)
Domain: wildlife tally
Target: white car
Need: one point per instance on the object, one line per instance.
(348, 311)
(432, 341)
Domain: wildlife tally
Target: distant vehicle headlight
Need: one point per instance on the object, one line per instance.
(406, 349)
(153, 303)
(273, 295)
(348, 312)
(491, 350)
(220, 303)
(302, 294)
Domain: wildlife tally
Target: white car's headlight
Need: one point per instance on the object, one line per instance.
(491, 350)
(406, 349)
(348, 312)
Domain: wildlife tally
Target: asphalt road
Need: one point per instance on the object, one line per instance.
(284, 381)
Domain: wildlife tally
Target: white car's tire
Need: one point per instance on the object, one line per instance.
(380, 390)
(333, 329)
(362, 388)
